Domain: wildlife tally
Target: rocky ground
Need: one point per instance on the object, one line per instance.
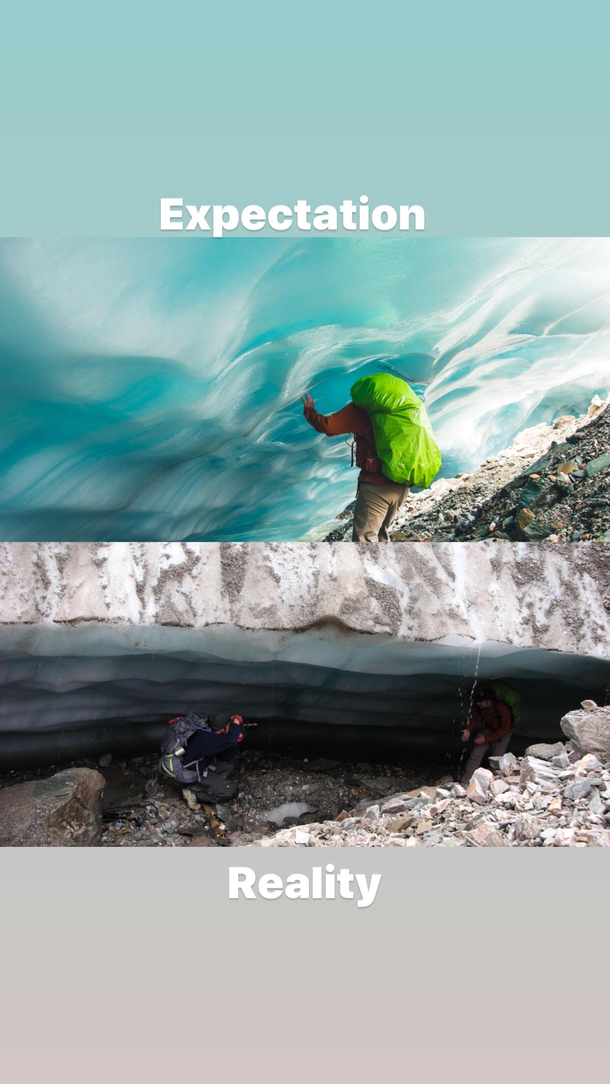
(555, 796)
(552, 483)
(142, 809)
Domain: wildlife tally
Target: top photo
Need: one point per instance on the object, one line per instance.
(273, 390)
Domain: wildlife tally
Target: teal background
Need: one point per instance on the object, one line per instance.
(494, 117)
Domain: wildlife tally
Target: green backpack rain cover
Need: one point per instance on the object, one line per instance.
(509, 696)
(403, 435)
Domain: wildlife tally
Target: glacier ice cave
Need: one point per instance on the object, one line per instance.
(87, 694)
(151, 386)
(331, 648)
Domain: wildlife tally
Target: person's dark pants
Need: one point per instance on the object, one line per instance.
(224, 765)
(478, 752)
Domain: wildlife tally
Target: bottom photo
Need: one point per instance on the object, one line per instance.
(305, 695)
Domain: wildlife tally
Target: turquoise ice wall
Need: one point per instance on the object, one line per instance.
(152, 385)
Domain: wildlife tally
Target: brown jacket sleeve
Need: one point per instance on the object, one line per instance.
(348, 420)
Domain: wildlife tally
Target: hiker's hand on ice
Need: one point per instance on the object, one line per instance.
(480, 739)
(465, 735)
(308, 402)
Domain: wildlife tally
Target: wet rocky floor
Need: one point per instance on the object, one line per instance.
(144, 810)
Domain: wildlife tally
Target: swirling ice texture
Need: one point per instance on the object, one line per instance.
(151, 387)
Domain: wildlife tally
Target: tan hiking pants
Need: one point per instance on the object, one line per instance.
(478, 752)
(375, 511)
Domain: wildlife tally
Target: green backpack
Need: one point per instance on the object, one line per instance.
(509, 696)
(404, 440)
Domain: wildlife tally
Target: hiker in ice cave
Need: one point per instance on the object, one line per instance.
(490, 723)
(394, 448)
(198, 753)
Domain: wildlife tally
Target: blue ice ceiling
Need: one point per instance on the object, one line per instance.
(151, 387)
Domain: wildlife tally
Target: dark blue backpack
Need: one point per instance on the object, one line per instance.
(210, 785)
(179, 731)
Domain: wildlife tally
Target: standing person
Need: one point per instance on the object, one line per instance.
(379, 498)
(491, 721)
(395, 448)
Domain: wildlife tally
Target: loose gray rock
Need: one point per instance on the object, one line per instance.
(545, 751)
(521, 809)
(595, 803)
(401, 823)
(395, 805)
(561, 761)
(527, 827)
(62, 811)
(579, 789)
(594, 466)
(539, 773)
(485, 835)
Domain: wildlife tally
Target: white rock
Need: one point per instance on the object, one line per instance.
(507, 762)
(508, 799)
(478, 788)
(590, 763)
(498, 787)
(565, 837)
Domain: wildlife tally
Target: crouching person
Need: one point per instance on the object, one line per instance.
(199, 751)
(491, 722)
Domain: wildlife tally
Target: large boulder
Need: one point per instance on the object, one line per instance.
(62, 811)
(588, 729)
